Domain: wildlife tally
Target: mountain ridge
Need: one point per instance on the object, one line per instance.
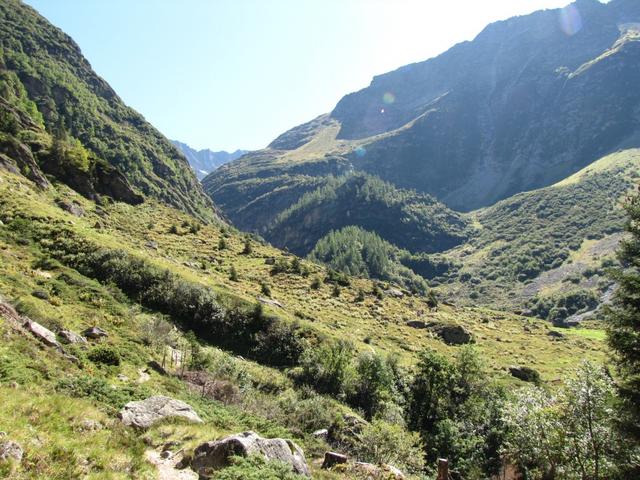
(204, 161)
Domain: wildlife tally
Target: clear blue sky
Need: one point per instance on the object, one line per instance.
(227, 74)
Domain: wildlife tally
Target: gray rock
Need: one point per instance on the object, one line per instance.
(211, 456)
(273, 303)
(332, 459)
(151, 244)
(67, 336)
(144, 413)
(43, 334)
(71, 207)
(10, 450)
(95, 333)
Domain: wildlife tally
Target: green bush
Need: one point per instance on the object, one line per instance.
(104, 355)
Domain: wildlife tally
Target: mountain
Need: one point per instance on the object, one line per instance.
(66, 121)
(528, 103)
(206, 161)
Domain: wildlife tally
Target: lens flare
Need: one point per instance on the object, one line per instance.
(361, 152)
(570, 20)
(388, 98)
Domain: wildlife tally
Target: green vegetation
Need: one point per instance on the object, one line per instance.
(43, 74)
(623, 323)
(359, 253)
(405, 218)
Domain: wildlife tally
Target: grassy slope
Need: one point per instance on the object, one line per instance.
(58, 449)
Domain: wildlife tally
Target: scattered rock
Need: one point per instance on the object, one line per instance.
(122, 377)
(41, 294)
(165, 454)
(268, 301)
(452, 334)
(394, 292)
(144, 413)
(89, 425)
(70, 207)
(94, 333)
(43, 334)
(211, 456)
(322, 434)
(526, 374)
(72, 358)
(333, 458)
(151, 244)
(417, 324)
(156, 367)
(143, 376)
(67, 336)
(170, 468)
(10, 450)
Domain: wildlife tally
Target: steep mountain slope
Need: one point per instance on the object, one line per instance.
(206, 161)
(46, 68)
(409, 220)
(549, 243)
(523, 106)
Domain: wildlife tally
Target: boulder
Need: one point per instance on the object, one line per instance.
(144, 413)
(394, 292)
(71, 207)
(211, 456)
(526, 374)
(452, 334)
(268, 301)
(94, 333)
(43, 334)
(10, 450)
(556, 335)
(67, 336)
(332, 459)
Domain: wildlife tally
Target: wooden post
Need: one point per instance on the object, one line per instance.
(443, 469)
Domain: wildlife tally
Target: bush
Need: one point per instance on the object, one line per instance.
(381, 442)
(104, 356)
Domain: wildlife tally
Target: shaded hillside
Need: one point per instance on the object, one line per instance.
(205, 161)
(409, 220)
(75, 105)
(527, 103)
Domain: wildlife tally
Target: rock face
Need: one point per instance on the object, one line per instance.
(10, 450)
(43, 334)
(211, 456)
(144, 413)
(206, 161)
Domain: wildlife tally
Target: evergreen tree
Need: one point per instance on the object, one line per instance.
(623, 322)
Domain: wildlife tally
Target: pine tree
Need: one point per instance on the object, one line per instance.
(623, 322)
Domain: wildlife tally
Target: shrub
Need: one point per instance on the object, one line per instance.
(381, 442)
(104, 355)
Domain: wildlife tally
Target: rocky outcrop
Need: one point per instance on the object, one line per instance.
(211, 456)
(143, 414)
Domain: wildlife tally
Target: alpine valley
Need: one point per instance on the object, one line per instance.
(422, 283)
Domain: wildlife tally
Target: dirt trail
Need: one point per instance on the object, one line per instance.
(167, 467)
